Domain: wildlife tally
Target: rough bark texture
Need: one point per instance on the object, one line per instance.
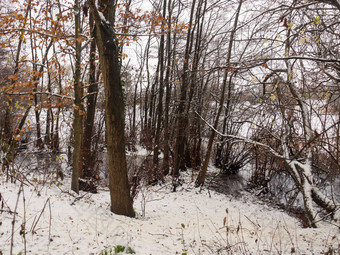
(121, 202)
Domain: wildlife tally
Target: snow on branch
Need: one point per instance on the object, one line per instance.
(99, 17)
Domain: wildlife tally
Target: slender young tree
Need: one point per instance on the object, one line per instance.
(161, 93)
(88, 155)
(77, 107)
(166, 148)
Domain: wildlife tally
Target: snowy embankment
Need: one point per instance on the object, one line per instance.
(57, 221)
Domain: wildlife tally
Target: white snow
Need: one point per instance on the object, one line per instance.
(103, 19)
(186, 221)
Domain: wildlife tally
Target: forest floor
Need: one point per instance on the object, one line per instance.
(54, 220)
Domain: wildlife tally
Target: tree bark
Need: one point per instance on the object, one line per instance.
(106, 40)
(160, 98)
(166, 146)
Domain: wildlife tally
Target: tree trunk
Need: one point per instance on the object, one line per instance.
(88, 155)
(106, 40)
(166, 146)
(77, 107)
(160, 98)
(179, 158)
(36, 78)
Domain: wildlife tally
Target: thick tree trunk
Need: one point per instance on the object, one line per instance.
(327, 204)
(106, 40)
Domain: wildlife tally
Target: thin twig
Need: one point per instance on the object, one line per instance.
(23, 226)
(34, 224)
(49, 230)
(13, 221)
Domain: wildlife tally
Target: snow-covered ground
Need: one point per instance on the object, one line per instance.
(57, 221)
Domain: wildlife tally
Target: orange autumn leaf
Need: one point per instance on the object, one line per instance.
(13, 77)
